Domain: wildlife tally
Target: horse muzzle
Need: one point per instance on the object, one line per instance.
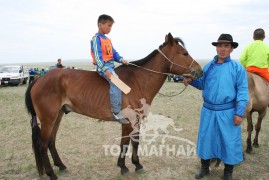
(194, 73)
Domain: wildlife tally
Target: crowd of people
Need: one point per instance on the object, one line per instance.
(36, 72)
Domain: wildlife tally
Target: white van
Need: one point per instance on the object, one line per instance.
(14, 75)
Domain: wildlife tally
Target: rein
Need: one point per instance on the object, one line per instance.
(172, 63)
(149, 69)
(173, 94)
(168, 74)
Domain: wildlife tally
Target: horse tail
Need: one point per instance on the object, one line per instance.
(36, 145)
(28, 100)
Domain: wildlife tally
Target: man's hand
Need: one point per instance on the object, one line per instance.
(187, 81)
(125, 62)
(237, 120)
(108, 74)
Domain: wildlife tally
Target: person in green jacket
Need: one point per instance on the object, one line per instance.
(255, 57)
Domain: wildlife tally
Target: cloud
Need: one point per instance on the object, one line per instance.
(47, 29)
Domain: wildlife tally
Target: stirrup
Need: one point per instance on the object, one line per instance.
(120, 119)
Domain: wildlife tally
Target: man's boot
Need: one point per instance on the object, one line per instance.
(204, 170)
(228, 172)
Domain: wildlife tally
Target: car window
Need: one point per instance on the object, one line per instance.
(9, 69)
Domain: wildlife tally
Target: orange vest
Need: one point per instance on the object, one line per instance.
(106, 47)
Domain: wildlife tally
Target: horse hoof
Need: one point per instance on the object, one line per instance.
(249, 150)
(62, 168)
(53, 177)
(138, 167)
(140, 171)
(125, 172)
(64, 171)
(256, 145)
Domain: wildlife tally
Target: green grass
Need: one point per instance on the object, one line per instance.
(80, 142)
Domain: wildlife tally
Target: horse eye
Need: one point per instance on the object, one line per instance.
(186, 53)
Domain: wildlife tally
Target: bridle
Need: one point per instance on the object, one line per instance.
(171, 66)
(172, 63)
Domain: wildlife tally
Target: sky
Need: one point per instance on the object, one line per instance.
(45, 30)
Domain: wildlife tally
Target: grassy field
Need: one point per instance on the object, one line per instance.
(80, 142)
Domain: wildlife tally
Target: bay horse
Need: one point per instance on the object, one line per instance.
(66, 90)
(258, 102)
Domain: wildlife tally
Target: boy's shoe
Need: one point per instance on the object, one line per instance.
(118, 117)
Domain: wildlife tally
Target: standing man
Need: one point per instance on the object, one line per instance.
(225, 93)
(32, 74)
(255, 57)
(59, 63)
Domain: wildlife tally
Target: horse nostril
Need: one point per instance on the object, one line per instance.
(193, 73)
(196, 73)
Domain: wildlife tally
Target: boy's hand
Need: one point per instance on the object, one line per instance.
(108, 74)
(125, 62)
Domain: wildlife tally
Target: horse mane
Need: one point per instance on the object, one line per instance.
(154, 52)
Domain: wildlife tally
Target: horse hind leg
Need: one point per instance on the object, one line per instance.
(54, 153)
(46, 130)
(249, 130)
(258, 127)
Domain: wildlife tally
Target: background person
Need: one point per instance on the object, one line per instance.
(32, 74)
(255, 57)
(225, 93)
(42, 72)
(59, 63)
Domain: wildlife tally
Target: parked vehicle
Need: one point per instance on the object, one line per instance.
(177, 78)
(53, 67)
(14, 75)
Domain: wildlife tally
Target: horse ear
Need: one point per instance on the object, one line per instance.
(166, 38)
(170, 39)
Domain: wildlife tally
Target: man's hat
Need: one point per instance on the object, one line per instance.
(225, 38)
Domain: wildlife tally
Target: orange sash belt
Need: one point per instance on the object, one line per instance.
(263, 72)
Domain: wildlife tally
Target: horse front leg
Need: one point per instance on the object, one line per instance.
(249, 130)
(125, 141)
(258, 127)
(135, 158)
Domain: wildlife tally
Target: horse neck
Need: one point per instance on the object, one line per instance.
(151, 76)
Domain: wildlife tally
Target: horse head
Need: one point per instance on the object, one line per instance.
(179, 60)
